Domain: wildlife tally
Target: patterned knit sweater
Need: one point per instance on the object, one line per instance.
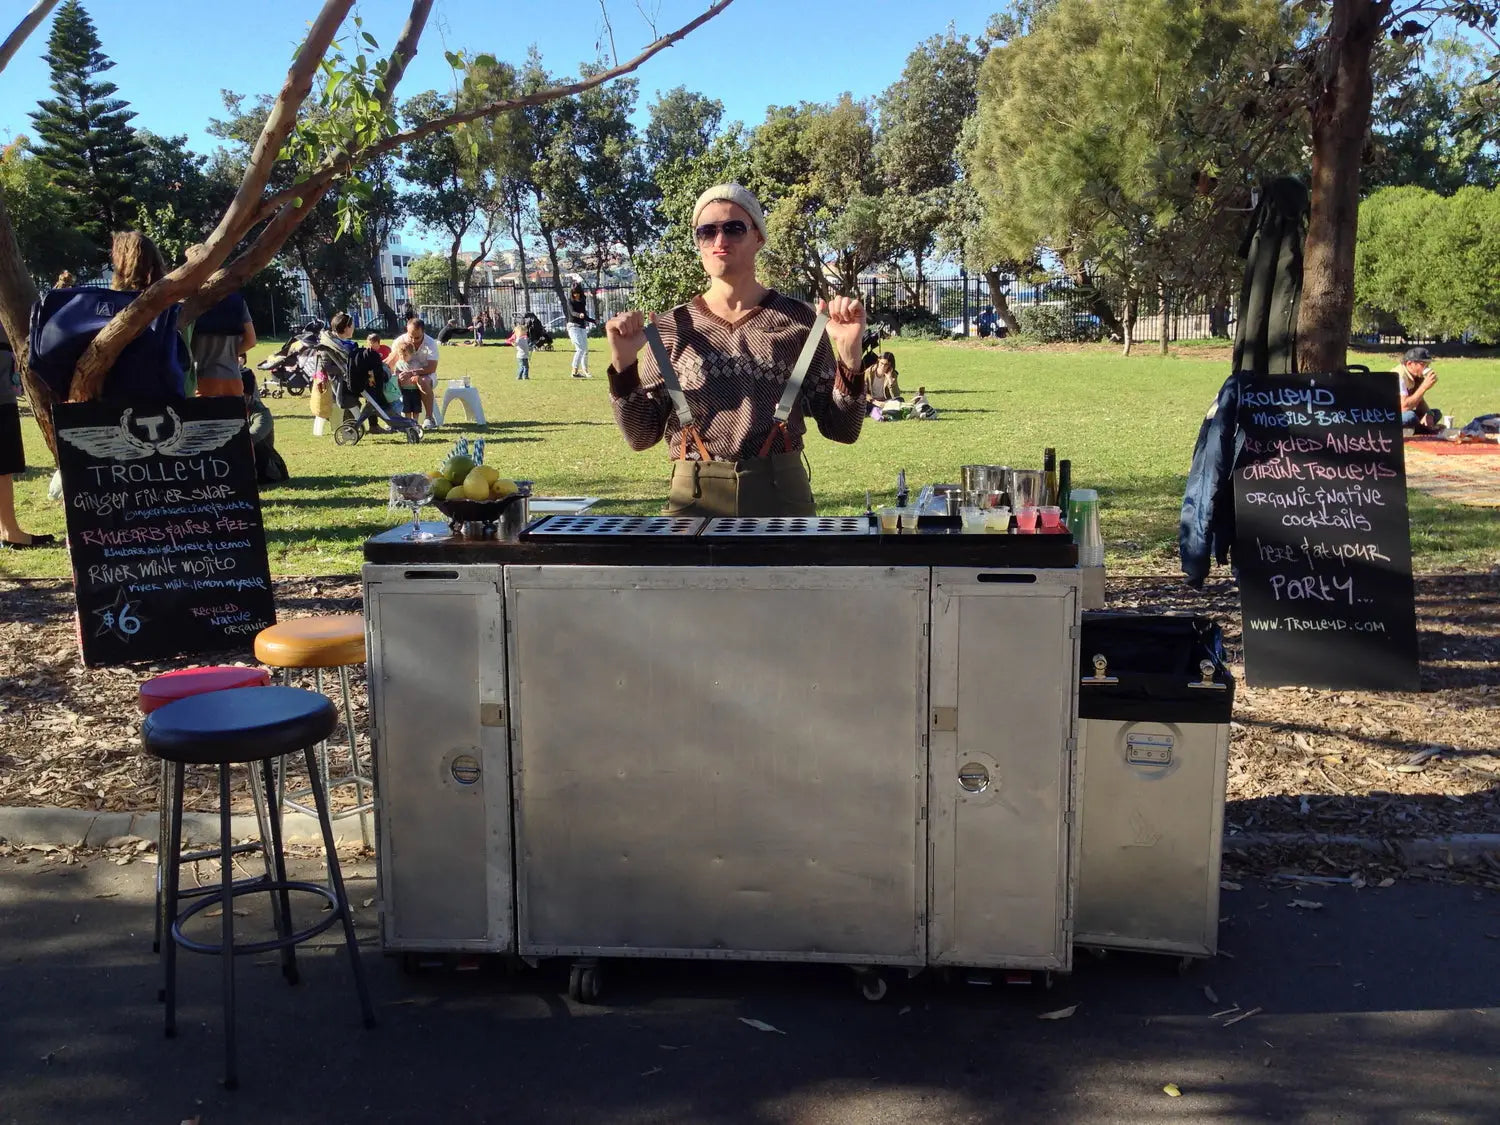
(732, 376)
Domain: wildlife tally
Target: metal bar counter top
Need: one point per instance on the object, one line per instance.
(718, 742)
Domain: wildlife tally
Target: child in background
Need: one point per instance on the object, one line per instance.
(522, 343)
(372, 341)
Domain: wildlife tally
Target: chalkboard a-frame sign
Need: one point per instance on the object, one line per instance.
(1322, 541)
(164, 528)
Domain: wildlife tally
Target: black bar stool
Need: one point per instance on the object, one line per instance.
(253, 725)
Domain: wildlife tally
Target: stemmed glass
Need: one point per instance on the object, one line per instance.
(412, 490)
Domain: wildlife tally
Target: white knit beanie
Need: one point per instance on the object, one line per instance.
(739, 196)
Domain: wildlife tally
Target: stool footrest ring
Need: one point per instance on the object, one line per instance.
(194, 946)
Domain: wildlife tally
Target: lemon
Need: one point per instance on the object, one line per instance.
(501, 488)
(491, 475)
(476, 486)
(441, 487)
(436, 474)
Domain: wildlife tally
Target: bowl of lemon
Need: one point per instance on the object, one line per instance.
(469, 492)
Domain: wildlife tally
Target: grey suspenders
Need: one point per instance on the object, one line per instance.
(784, 408)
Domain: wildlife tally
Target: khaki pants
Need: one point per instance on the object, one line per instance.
(760, 486)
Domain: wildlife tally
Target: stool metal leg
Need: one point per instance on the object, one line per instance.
(363, 792)
(161, 856)
(276, 859)
(174, 864)
(336, 878)
(226, 905)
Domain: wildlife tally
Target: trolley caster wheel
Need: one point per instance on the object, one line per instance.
(347, 435)
(1185, 965)
(413, 437)
(583, 983)
(873, 987)
(1048, 981)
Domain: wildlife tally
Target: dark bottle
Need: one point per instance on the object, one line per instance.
(1049, 476)
(1064, 486)
(902, 495)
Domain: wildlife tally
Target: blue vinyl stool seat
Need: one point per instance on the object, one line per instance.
(254, 725)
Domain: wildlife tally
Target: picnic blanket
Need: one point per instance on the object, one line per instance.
(1460, 473)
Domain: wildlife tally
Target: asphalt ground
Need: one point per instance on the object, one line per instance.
(1379, 1006)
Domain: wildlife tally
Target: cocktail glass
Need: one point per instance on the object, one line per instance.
(1026, 519)
(412, 490)
(973, 519)
(1027, 489)
(1051, 517)
(890, 521)
(997, 521)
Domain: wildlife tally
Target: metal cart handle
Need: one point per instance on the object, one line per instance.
(1101, 665)
(1206, 670)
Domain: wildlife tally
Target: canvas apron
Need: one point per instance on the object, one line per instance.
(772, 484)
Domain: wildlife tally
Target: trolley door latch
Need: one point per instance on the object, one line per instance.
(1206, 670)
(492, 714)
(1101, 672)
(945, 718)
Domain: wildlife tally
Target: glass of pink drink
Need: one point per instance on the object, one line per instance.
(1026, 519)
(1051, 517)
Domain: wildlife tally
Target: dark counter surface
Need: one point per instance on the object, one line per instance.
(926, 548)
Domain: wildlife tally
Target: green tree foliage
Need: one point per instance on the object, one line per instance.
(1429, 264)
(1435, 121)
(922, 116)
(670, 273)
(83, 134)
(1114, 135)
(681, 126)
(450, 191)
(430, 281)
(814, 166)
(39, 213)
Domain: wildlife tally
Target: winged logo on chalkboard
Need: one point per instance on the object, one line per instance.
(135, 438)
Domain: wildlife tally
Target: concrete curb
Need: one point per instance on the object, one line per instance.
(1465, 847)
(79, 828)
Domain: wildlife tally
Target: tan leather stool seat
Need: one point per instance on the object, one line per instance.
(313, 642)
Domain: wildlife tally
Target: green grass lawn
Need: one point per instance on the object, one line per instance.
(1127, 424)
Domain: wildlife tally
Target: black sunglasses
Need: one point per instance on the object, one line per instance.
(734, 230)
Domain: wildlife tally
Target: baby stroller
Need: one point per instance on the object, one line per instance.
(350, 433)
(285, 368)
(537, 334)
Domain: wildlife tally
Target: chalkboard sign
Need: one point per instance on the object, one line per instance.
(164, 529)
(1322, 543)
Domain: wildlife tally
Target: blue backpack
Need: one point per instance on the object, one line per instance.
(65, 321)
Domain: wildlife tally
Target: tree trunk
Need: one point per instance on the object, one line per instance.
(1166, 316)
(520, 237)
(17, 295)
(1340, 125)
(1130, 309)
(388, 315)
(1097, 304)
(1003, 310)
(557, 285)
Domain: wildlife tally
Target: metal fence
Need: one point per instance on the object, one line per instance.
(1060, 304)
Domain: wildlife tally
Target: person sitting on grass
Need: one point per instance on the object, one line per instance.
(883, 385)
(1415, 378)
(414, 359)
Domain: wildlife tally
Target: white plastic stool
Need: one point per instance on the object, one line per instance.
(469, 396)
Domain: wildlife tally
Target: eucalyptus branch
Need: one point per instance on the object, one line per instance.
(342, 163)
(204, 258)
(39, 12)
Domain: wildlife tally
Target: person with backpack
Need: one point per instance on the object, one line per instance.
(12, 456)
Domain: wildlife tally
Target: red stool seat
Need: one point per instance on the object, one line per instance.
(172, 686)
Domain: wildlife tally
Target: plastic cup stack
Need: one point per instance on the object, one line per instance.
(1083, 522)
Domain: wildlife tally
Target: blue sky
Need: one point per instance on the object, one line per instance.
(756, 53)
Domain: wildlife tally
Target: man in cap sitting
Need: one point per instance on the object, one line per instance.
(1417, 378)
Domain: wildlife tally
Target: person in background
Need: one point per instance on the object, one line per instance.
(522, 343)
(270, 467)
(479, 331)
(883, 385)
(222, 338)
(986, 322)
(135, 262)
(449, 332)
(1415, 377)
(372, 341)
(414, 358)
(12, 457)
(65, 280)
(578, 330)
